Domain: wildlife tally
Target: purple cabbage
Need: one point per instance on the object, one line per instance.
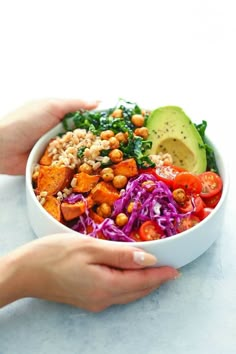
(157, 205)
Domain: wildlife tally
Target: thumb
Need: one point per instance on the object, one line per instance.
(71, 105)
(123, 257)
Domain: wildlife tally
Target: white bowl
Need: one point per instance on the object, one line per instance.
(175, 251)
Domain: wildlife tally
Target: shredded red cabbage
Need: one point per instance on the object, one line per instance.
(73, 198)
(157, 205)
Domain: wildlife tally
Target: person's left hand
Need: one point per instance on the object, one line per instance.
(20, 130)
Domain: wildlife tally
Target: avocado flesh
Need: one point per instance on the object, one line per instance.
(171, 131)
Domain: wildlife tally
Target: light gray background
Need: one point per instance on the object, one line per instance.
(156, 53)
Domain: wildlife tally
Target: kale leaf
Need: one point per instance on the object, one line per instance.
(210, 155)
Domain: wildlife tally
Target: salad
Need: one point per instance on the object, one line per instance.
(100, 177)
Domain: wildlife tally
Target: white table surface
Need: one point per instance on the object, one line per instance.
(156, 53)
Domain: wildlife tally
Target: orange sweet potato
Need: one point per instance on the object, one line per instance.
(72, 211)
(53, 207)
(96, 218)
(53, 179)
(45, 160)
(85, 182)
(126, 168)
(104, 192)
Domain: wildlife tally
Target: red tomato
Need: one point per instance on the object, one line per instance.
(150, 230)
(150, 171)
(211, 184)
(167, 173)
(212, 201)
(101, 236)
(195, 204)
(205, 212)
(135, 236)
(189, 182)
(187, 222)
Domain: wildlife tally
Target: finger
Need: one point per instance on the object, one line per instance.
(128, 281)
(126, 298)
(123, 257)
(118, 300)
(71, 105)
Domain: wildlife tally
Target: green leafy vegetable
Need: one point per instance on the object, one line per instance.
(211, 160)
(136, 148)
(98, 121)
(80, 152)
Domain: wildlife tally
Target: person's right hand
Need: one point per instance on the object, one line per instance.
(84, 272)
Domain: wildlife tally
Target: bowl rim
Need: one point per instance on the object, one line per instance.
(43, 141)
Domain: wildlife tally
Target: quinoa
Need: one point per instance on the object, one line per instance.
(42, 197)
(64, 150)
(161, 158)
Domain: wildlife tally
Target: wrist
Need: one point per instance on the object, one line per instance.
(2, 151)
(13, 279)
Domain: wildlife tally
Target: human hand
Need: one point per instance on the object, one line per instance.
(20, 130)
(82, 271)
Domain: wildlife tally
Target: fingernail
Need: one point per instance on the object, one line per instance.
(144, 259)
(92, 102)
(96, 101)
(177, 275)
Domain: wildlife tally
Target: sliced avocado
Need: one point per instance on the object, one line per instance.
(172, 131)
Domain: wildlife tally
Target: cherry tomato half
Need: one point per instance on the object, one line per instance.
(205, 212)
(213, 201)
(188, 222)
(189, 182)
(167, 173)
(150, 230)
(135, 236)
(211, 184)
(195, 204)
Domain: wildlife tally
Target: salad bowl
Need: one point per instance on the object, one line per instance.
(177, 250)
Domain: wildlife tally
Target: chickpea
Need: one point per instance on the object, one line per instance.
(179, 195)
(143, 112)
(121, 219)
(86, 168)
(107, 174)
(106, 170)
(116, 155)
(137, 120)
(104, 210)
(132, 205)
(121, 137)
(118, 113)
(149, 185)
(143, 132)
(114, 143)
(120, 181)
(106, 134)
(99, 212)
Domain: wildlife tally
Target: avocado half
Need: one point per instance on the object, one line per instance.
(172, 131)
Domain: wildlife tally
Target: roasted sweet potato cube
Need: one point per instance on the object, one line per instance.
(104, 192)
(53, 207)
(85, 182)
(46, 160)
(96, 218)
(53, 179)
(126, 168)
(89, 201)
(72, 211)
